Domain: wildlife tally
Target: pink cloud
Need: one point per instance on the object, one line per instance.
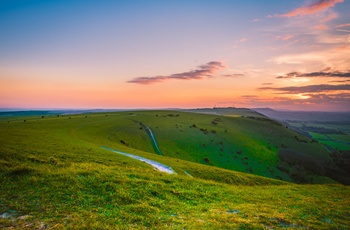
(329, 17)
(315, 7)
(320, 27)
(284, 38)
(343, 25)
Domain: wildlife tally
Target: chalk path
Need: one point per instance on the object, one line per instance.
(155, 164)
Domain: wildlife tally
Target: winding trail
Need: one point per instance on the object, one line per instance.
(155, 164)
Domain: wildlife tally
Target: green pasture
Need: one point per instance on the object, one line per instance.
(335, 141)
(55, 175)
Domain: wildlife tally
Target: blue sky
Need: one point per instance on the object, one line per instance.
(157, 54)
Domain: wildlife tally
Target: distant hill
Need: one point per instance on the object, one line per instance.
(305, 115)
(14, 112)
(226, 111)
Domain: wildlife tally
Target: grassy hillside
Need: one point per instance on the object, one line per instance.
(54, 175)
(251, 144)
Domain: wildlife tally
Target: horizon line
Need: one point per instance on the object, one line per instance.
(19, 109)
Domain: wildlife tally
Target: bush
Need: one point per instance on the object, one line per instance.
(207, 160)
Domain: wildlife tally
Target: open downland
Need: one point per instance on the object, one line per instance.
(253, 144)
(54, 174)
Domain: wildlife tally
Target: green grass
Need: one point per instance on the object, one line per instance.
(335, 141)
(54, 173)
(333, 135)
(245, 144)
(340, 137)
(236, 143)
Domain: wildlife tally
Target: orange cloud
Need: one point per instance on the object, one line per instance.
(317, 6)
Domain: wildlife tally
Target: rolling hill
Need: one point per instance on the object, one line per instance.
(232, 171)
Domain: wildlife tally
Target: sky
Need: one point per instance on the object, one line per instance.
(125, 54)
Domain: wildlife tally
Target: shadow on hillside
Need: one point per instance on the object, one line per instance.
(300, 165)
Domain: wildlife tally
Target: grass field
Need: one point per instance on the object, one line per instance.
(55, 175)
(335, 141)
(334, 135)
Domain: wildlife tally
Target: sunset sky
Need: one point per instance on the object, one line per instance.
(282, 54)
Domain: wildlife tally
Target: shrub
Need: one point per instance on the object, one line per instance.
(207, 160)
(124, 143)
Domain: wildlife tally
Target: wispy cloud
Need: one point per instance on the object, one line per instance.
(285, 37)
(340, 81)
(317, 101)
(314, 7)
(320, 27)
(232, 75)
(333, 74)
(326, 74)
(343, 25)
(289, 75)
(256, 20)
(324, 20)
(249, 96)
(308, 88)
(334, 53)
(202, 71)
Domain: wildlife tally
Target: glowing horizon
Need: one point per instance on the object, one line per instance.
(175, 54)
